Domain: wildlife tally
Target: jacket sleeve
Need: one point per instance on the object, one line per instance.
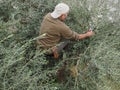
(67, 33)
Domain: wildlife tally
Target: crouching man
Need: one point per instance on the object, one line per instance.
(53, 30)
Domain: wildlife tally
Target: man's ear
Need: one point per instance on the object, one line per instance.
(62, 17)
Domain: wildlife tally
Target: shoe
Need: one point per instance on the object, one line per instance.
(55, 52)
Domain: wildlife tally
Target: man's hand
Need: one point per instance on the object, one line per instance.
(90, 33)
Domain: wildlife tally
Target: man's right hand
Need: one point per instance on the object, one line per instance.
(90, 33)
(87, 34)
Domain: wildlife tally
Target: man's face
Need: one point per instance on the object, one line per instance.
(63, 16)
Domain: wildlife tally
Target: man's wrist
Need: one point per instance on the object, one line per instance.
(83, 36)
(86, 35)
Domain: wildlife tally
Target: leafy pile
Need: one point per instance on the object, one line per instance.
(97, 59)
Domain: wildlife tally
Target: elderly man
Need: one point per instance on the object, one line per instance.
(53, 30)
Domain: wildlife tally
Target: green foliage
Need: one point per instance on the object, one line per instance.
(22, 67)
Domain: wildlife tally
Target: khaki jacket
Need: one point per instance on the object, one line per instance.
(54, 31)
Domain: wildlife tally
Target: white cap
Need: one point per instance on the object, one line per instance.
(60, 9)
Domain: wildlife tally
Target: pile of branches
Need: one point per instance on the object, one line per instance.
(96, 60)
